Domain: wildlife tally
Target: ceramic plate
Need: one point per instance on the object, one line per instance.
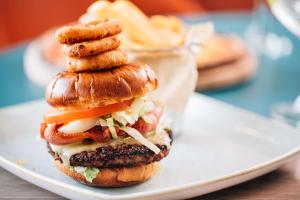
(221, 146)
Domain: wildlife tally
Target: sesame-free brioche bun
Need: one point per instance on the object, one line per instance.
(94, 89)
(113, 177)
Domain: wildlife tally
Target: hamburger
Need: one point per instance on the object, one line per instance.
(102, 129)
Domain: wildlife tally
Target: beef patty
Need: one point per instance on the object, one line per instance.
(124, 155)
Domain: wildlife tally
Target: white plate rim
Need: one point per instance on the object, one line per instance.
(13, 168)
(244, 175)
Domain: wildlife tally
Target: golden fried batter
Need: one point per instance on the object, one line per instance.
(83, 49)
(87, 32)
(106, 60)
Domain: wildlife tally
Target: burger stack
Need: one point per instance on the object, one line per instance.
(103, 130)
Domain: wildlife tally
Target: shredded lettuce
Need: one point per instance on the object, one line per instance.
(125, 117)
(137, 105)
(139, 108)
(120, 118)
(148, 106)
(148, 118)
(102, 122)
(141, 139)
(110, 123)
(88, 172)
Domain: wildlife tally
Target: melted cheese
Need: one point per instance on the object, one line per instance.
(66, 151)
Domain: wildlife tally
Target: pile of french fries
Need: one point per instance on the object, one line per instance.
(140, 31)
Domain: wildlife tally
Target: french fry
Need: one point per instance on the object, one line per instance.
(141, 31)
(137, 24)
(127, 43)
(99, 6)
(167, 22)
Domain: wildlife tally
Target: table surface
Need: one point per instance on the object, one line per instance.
(276, 80)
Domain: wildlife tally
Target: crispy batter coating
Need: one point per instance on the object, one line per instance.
(106, 60)
(87, 32)
(89, 48)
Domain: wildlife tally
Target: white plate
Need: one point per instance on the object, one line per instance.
(221, 146)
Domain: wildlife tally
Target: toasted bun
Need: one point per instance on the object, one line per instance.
(113, 177)
(92, 89)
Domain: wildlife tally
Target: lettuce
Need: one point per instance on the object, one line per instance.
(140, 138)
(88, 172)
(139, 108)
(110, 123)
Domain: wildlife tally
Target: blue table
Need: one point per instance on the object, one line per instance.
(276, 80)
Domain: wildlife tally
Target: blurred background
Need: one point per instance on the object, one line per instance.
(251, 61)
(22, 20)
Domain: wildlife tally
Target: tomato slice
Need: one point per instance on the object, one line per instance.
(64, 116)
(98, 134)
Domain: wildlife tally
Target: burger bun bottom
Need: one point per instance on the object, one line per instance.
(113, 177)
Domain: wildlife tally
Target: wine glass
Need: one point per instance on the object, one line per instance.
(288, 14)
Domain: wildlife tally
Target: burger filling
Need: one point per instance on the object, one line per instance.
(138, 134)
